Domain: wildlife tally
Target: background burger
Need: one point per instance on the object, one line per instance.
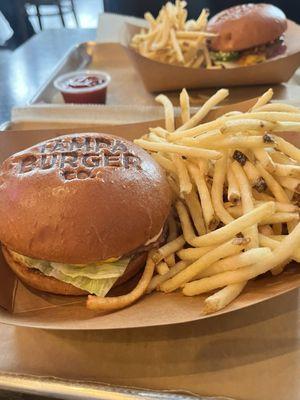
(247, 34)
(80, 212)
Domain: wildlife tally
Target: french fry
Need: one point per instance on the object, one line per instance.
(281, 254)
(204, 140)
(185, 106)
(233, 228)
(235, 211)
(273, 185)
(192, 254)
(264, 158)
(262, 100)
(281, 217)
(273, 241)
(177, 149)
(168, 249)
(169, 111)
(155, 138)
(172, 235)
(262, 196)
(196, 131)
(247, 200)
(281, 158)
(197, 175)
(287, 170)
(159, 279)
(204, 110)
(217, 190)
(185, 183)
(162, 268)
(278, 107)
(282, 207)
(195, 210)
(175, 44)
(289, 183)
(288, 148)
(187, 228)
(238, 125)
(271, 116)
(236, 261)
(234, 194)
(193, 34)
(115, 303)
(227, 249)
(248, 142)
(256, 180)
(149, 17)
(223, 297)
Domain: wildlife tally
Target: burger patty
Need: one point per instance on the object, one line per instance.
(258, 53)
(270, 50)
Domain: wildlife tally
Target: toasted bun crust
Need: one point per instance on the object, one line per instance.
(35, 279)
(81, 198)
(244, 26)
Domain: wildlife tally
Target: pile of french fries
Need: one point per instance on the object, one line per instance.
(236, 191)
(173, 39)
(236, 186)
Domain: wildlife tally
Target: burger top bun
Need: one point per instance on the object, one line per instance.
(245, 26)
(81, 198)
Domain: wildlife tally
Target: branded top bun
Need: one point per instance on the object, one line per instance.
(81, 198)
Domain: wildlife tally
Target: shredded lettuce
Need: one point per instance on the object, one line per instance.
(95, 278)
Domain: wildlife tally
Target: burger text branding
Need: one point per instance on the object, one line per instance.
(79, 158)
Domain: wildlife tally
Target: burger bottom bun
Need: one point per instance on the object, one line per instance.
(37, 280)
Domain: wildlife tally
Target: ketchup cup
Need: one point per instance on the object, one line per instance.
(83, 87)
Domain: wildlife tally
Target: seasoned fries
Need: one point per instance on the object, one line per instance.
(173, 39)
(237, 188)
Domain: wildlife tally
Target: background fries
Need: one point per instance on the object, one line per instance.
(236, 192)
(174, 40)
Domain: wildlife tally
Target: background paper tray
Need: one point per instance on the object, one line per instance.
(126, 87)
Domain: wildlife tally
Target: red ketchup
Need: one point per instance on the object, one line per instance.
(83, 87)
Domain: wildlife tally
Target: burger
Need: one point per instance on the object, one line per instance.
(247, 34)
(80, 212)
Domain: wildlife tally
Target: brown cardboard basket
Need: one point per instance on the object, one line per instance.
(22, 306)
(163, 77)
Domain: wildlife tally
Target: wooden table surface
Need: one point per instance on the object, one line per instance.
(28, 67)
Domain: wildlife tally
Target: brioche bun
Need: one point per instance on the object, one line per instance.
(67, 204)
(245, 26)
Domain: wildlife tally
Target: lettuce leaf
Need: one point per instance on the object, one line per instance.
(93, 271)
(96, 278)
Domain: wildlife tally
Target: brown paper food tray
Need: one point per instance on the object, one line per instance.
(163, 77)
(126, 87)
(24, 307)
